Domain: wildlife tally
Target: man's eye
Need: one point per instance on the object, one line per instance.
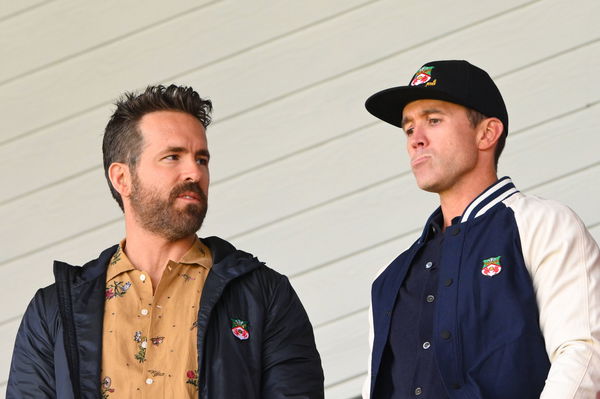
(172, 157)
(409, 131)
(434, 121)
(202, 161)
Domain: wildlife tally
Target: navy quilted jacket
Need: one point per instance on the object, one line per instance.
(59, 344)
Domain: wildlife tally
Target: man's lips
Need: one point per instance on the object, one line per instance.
(419, 159)
(190, 196)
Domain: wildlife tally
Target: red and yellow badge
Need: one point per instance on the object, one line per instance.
(240, 329)
(422, 76)
(491, 266)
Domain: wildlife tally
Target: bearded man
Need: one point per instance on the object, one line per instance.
(164, 313)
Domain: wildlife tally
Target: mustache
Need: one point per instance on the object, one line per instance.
(187, 187)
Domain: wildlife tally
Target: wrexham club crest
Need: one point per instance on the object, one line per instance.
(491, 266)
(422, 76)
(240, 329)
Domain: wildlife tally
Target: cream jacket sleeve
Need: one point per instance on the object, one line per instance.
(564, 262)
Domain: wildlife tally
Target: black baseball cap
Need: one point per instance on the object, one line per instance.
(454, 81)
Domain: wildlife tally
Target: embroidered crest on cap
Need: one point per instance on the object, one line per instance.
(491, 266)
(422, 76)
(240, 329)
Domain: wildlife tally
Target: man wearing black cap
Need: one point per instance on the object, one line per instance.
(500, 296)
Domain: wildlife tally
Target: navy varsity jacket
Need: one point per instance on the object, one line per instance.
(518, 302)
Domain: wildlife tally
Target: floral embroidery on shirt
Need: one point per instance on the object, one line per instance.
(106, 389)
(156, 373)
(118, 288)
(186, 277)
(192, 378)
(140, 356)
(157, 340)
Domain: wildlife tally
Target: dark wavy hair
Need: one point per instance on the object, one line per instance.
(122, 139)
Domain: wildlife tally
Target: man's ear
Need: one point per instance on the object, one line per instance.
(120, 177)
(490, 131)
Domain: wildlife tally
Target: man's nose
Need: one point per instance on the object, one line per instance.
(418, 137)
(194, 171)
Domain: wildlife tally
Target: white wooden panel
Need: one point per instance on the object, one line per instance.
(337, 106)
(349, 389)
(10, 9)
(552, 149)
(29, 40)
(343, 346)
(308, 179)
(55, 214)
(8, 332)
(328, 50)
(578, 191)
(193, 40)
(273, 131)
(331, 290)
(34, 270)
(269, 73)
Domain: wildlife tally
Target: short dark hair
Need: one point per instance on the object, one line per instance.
(122, 139)
(475, 118)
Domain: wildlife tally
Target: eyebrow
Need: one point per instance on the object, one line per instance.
(179, 150)
(425, 112)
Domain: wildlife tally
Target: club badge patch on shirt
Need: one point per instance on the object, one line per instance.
(240, 329)
(491, 266)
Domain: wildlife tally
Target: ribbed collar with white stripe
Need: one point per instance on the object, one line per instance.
(497, 192)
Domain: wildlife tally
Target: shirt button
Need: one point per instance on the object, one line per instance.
(448, 282)
(430, 298)
(144, 312)
(428, 265)
(418, 391)
(445, 334)
(143, 277)
(426, 345)
(149, 381)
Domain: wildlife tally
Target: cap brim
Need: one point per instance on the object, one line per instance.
(388, 104)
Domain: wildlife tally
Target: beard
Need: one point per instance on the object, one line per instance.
(160, 216)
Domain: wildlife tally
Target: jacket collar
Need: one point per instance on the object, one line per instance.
(494, 194)
(228, 262)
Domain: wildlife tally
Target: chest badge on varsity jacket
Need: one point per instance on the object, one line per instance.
(491, 266)
(240, 329)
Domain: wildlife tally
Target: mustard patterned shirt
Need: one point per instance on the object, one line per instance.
(149, 340)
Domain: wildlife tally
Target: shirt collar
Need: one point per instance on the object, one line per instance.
(198, 255)
(119, 263)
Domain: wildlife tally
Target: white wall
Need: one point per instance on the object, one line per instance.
(302, 175)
